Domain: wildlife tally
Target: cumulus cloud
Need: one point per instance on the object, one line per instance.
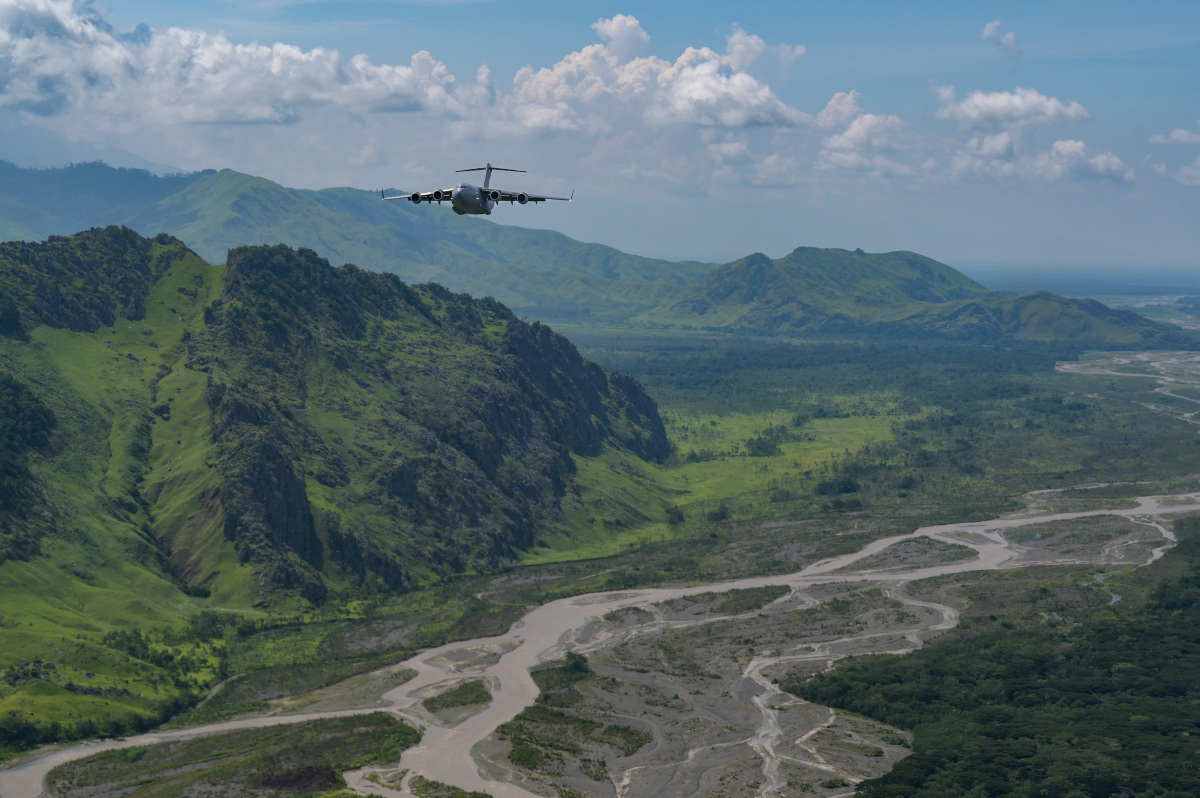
(624, 36)
(589, 89)
(1017, 108)
(994, 157)
(743, 49)
(60, 56)
(840, 109)
(1190, 174)
(1069, 158)
(867, 131)
(999, 145)
(1176, 136)
(861, 144)
(1005, 41)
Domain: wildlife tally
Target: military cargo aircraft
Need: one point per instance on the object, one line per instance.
(466, 198)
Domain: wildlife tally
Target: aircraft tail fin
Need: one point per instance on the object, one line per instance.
(487, 170)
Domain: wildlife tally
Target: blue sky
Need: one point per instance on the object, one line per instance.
(1007, 135)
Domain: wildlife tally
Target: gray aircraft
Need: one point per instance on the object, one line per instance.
(466, 198)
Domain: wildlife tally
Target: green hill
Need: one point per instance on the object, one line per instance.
(1040, 316)
(812, 289)
(258, 433)
(213, 212)
(897, 295)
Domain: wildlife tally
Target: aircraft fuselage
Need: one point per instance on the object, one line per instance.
(466, 198)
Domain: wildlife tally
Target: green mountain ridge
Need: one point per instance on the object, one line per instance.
(546, 275)
(213, 212)
(896, 295)
(278, 425)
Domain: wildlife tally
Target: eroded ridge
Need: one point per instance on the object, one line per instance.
(764, 737)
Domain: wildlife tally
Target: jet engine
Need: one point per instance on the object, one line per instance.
(437, 195)
(415, 197)
(522, 198)
(494, 195)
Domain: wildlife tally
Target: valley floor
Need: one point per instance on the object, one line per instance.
(691, 675)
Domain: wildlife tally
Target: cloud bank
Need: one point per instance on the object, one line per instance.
(700, 120)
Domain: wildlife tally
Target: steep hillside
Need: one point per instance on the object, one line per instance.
(395, 432)
(215, 211)
(316, 424)
(177, 435)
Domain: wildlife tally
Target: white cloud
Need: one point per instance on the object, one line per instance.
(1007, 109)
(861, 144)
(1069, 158)
(59, 56)
(1190, 174)
(1176, 136)
(624, 36)
(840, 109)
(867, 131)
(597, 86)
(999, 145)
(1006, 41)
(743, 49)
(994, 157)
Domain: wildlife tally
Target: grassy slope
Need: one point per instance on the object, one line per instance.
(102, 569)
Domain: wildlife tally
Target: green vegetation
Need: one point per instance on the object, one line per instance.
(302, 759)
(428, 788)
(393, 438)
(542, 735)
(406, 430)
(25, 424)
(834, 292)
(546, 275)
(469, 693)
(816, 290)
(1097, 704)
(250, 692)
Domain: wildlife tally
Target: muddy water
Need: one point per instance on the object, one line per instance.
(444, 754)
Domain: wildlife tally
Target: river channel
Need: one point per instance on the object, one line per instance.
(446, 754)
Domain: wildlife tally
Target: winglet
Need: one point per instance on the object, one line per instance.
(572, 195)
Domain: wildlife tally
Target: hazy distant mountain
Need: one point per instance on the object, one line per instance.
(895, 294)
(547, 275)
(213, 212)
(811, 288)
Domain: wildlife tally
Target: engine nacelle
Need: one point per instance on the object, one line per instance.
(493, 195)
(522, 198)
(415, 197)
(437, 195)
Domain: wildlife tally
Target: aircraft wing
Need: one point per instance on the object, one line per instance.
(514, 196)
(426, 196)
